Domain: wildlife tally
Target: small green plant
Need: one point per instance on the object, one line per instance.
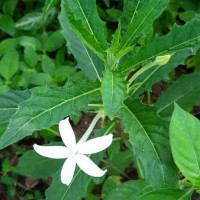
(160, 139)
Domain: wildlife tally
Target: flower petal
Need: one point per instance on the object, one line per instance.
(95, 145)
(88, 166)
(67, 171)
(67, 133)
(56, 152)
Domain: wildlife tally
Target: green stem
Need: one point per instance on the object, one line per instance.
(52, 131)
(91, 127)
(148, 98)
(139, 72)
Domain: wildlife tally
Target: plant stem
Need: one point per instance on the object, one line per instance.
(148, 97)
(91, 127)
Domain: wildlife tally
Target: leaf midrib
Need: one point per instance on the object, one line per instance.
(71, 99)
(130, 38)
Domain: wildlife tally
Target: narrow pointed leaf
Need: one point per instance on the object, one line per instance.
(87, 61)
(47, 107)
(185, 91)
(148, 135)
(9, 102)
(177, 39)
(83, 19)
(130, 11)
(147, 15)
(184, 134)
(113, 91)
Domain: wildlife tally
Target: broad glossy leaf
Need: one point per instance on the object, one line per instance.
(35, 166)
(159, 72)
(48, 65)
(129, 190)
(9, 102)
(113, 91)
(168, 194)
(87, 61)
(151, 9)
(184, 140)
(185, 91)
(8, 66)
(47, 107)
(148, 135)
(84, 20)
(177, 39)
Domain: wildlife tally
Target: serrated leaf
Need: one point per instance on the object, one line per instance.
(113, 91)
(129, 190)
(184, 141)
(87, 61)
(9, 102)
(84, 20)
(80, 182)
(8, 66)
(130, 11)
(177, 39)
(35, 166)
(185, 91)
(159, 72)
(147, 15)
(169, 194)
(47, 107)
(148, 135)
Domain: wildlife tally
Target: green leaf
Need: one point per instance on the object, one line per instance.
(185, 91)
(151, 10)
(159, 72)
(84, 20)
(31, 21)
(87, 61)
(7, 24)
(80, 182)
(30, 56)
(9, 7)
(8, 66)
(48, 65)
(179, 38)
(26, 41)
(54, 41)
(169, 194)
(35, 78)
(129, 190)
(184, 140)
(35, 166)
(148, 135)
(113, 91)
(47, 107)
(9, 102)
(8, 44)
(130, 11)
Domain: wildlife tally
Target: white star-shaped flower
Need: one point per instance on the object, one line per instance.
(75, 153)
